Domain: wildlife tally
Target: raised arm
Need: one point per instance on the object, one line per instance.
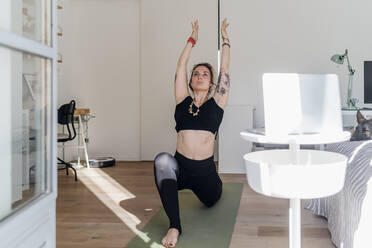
(180, 81)
(223, 84)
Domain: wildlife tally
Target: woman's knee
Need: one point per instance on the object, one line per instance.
(163, 161)
(210, 202)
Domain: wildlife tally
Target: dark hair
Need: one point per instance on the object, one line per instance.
(210, 68)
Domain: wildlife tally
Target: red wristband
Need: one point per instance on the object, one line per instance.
(192, 41)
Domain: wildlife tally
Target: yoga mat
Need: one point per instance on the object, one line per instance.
(201, 226)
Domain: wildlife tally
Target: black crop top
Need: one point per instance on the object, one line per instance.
(209, 117)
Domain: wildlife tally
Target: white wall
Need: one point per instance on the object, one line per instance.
(294, 36)
(100, 70)
(119, 58)
(165, 28)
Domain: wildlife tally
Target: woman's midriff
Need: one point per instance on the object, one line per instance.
(195, 144)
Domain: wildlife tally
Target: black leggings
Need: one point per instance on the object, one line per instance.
(173, 173)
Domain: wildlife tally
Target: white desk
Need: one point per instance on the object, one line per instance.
(81, 116)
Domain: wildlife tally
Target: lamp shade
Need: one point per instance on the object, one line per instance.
(311, 102)
(339, 59)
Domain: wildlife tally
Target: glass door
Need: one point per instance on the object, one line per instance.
(28, 52)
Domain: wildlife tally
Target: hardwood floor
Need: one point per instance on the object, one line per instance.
(107, 207)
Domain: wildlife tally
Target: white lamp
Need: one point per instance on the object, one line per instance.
(339, 59)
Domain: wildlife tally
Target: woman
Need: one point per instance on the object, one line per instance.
(197, 121)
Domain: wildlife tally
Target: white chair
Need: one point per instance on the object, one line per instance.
(299, 109)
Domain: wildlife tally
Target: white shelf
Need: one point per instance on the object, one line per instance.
(259, 136)
(287, 174)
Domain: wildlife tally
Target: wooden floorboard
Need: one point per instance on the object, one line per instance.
(107, 207)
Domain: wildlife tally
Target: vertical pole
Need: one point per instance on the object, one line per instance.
(63, 144)
(294, 204)
(84, 143)
(78, 150)
(294, 150)
(295, 223)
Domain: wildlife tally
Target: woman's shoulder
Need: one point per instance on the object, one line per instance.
(219, 105)
(181, 100)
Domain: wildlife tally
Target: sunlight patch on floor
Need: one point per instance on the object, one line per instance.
(111, 193)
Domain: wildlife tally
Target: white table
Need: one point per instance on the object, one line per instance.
(291, 173)
(81, 116)
(82, 133)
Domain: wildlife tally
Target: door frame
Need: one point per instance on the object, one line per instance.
(34, 225)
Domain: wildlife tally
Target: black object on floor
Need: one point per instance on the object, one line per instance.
(65, 118)
(102, 162)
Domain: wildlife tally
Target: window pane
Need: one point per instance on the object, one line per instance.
(30, 18)
(25, 93)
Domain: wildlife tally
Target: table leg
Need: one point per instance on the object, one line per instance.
(63, 144)
(321, 147)
(85, 145)
(295, 153)
(78, 150)
(295, 204)
(295, 223)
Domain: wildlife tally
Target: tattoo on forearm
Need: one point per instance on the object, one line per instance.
(220, 89)
(227, 81)
(219, 83)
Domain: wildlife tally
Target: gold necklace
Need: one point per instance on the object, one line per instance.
(191, 110)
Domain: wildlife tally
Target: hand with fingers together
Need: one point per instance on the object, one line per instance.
(225, 37)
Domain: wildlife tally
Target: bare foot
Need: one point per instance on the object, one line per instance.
(170, 239)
